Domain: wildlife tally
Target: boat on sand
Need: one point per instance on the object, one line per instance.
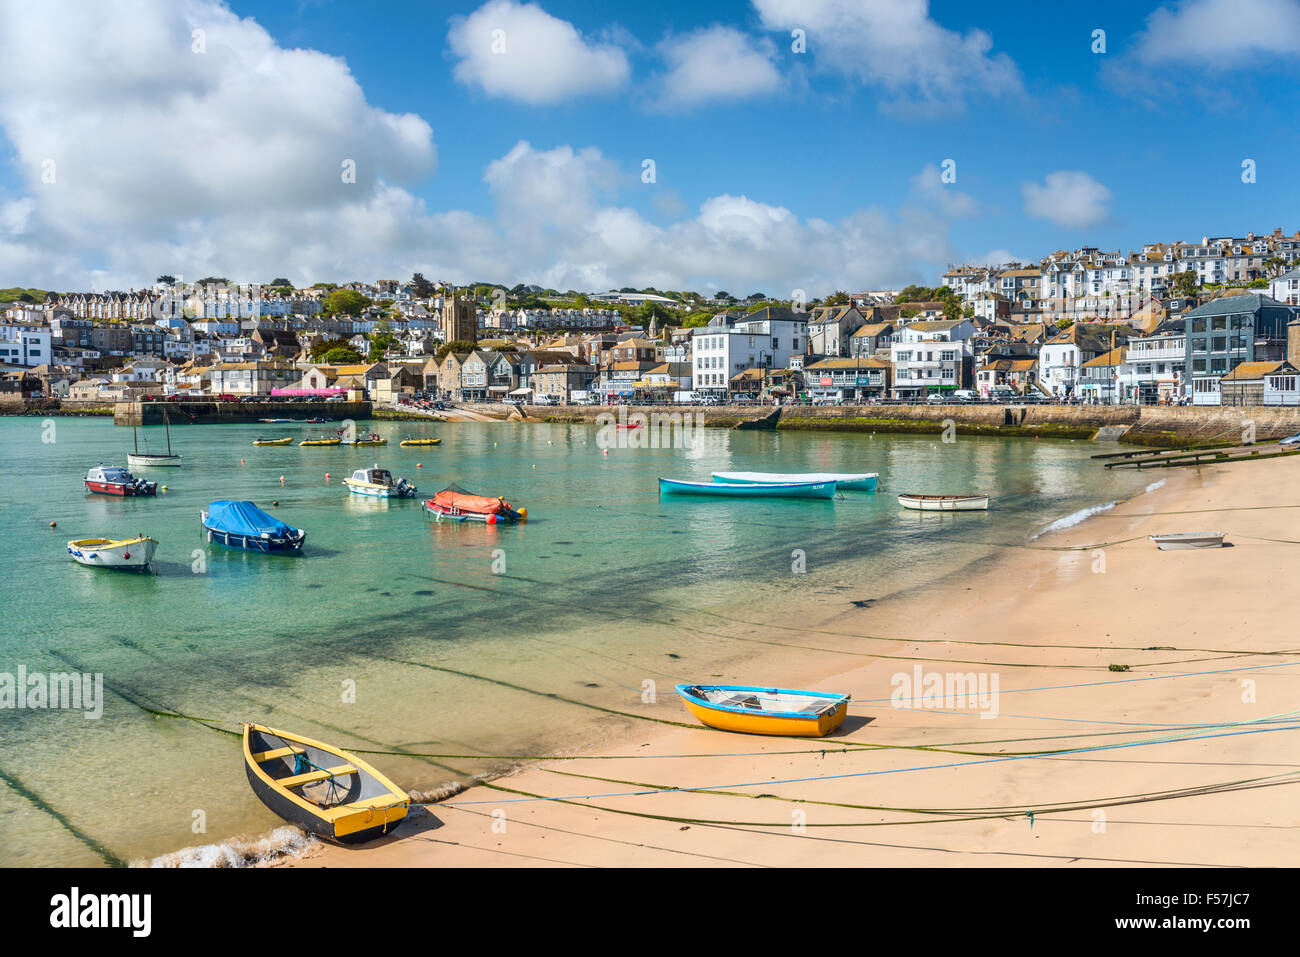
(322, 789)
(1175, 540)
(756, 710)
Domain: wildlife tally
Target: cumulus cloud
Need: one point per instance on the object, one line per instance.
(896, 47)
(518, 51)
(712, 64)
(227, 162)
(928, 186)
(1219, 33)
(1068, 198)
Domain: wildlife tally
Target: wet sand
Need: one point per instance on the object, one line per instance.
(1177, 771)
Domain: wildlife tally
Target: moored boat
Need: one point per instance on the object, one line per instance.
(1175, 540)
(415, 441)
(115, 480)
(756, 710)
(751, 490)
(322, 789)
(372, 438)
(322, 440)
(379, 483)
(135, 554)
(944, 503)
(276, 421)
(244, 525)
(856, 481)
(147, 459)
(287, 440)
(461, 506)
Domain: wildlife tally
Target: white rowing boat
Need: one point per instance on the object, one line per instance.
(944, 503)
(132, 553)
(858, 481)
(1188, 540)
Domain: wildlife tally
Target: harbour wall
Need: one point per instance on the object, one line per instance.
(1163, 426)
(197, 412)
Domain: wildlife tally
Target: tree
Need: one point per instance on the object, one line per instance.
(838, 298)
(281, 283)
(341, 356)
(165, 279)
(459, 345)
(1185, 283)
(952, 309)
(214, 281)
(421, 288)
(345, 302)
(1276, 265)
(322, 346)
(381, 340)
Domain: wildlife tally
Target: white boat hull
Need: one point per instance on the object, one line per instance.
(372, 491)
(1188, 540)
(145, 461)
(135, 553)
(858, 481)
(944, 503)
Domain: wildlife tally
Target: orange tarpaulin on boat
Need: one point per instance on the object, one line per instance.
(469, 503)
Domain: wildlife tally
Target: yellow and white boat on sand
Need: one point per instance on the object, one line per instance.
(755, 710)
(135, 554)
(287, 440)
(322, 789)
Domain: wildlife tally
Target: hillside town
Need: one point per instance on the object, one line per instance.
(1214, 322)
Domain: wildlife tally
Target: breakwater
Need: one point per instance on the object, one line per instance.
(1138, 425)
(200, 412)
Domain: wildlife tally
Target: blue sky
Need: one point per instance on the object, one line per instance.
(1054, 145)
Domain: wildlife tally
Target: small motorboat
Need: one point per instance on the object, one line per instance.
(1290, 442)
(322, 789)
(154, 460)
(135, 554)
(461, 506)
(750, 490)
(244, 525)
(276, 421)
(751, 710)
(412, 441)
(287, 440)
(372, 438)
(115, 480)
(322, 440)
(316, 420)
(944, 503)
(379, 483)
(1176, 540)
(856, 481)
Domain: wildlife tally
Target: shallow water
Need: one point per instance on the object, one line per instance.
(392, 631)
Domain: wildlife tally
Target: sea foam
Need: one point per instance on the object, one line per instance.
(239, 852)
(1074, 518)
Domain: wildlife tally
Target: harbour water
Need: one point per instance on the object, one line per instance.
(394, 632)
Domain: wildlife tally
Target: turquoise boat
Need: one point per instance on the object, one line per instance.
(752, 490)
(856, 481)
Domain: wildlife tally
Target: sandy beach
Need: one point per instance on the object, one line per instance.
(1183, 759)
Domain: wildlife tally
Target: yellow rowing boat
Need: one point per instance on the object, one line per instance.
(287, 440)
(409, 443)
(334, 441)
(753, 710)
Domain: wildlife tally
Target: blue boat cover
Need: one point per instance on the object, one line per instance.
(245, 518)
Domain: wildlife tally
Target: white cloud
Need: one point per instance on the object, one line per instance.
(929, 187)
(715, 63)
(228, 163)
(520, 52)
(895, 46)
(1068, 198)
(1220, 33)
(153, 147)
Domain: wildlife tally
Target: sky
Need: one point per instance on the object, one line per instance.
(760, 146)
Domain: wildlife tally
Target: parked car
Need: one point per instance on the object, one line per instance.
(965, 395)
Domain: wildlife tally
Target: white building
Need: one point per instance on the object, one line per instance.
(25, 345)
(732, 343)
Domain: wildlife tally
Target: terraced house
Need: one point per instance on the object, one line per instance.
(1225, 332)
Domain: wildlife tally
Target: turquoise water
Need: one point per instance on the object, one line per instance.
(393, 631)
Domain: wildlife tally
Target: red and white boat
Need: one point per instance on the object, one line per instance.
(115, 480)
(460, 506)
